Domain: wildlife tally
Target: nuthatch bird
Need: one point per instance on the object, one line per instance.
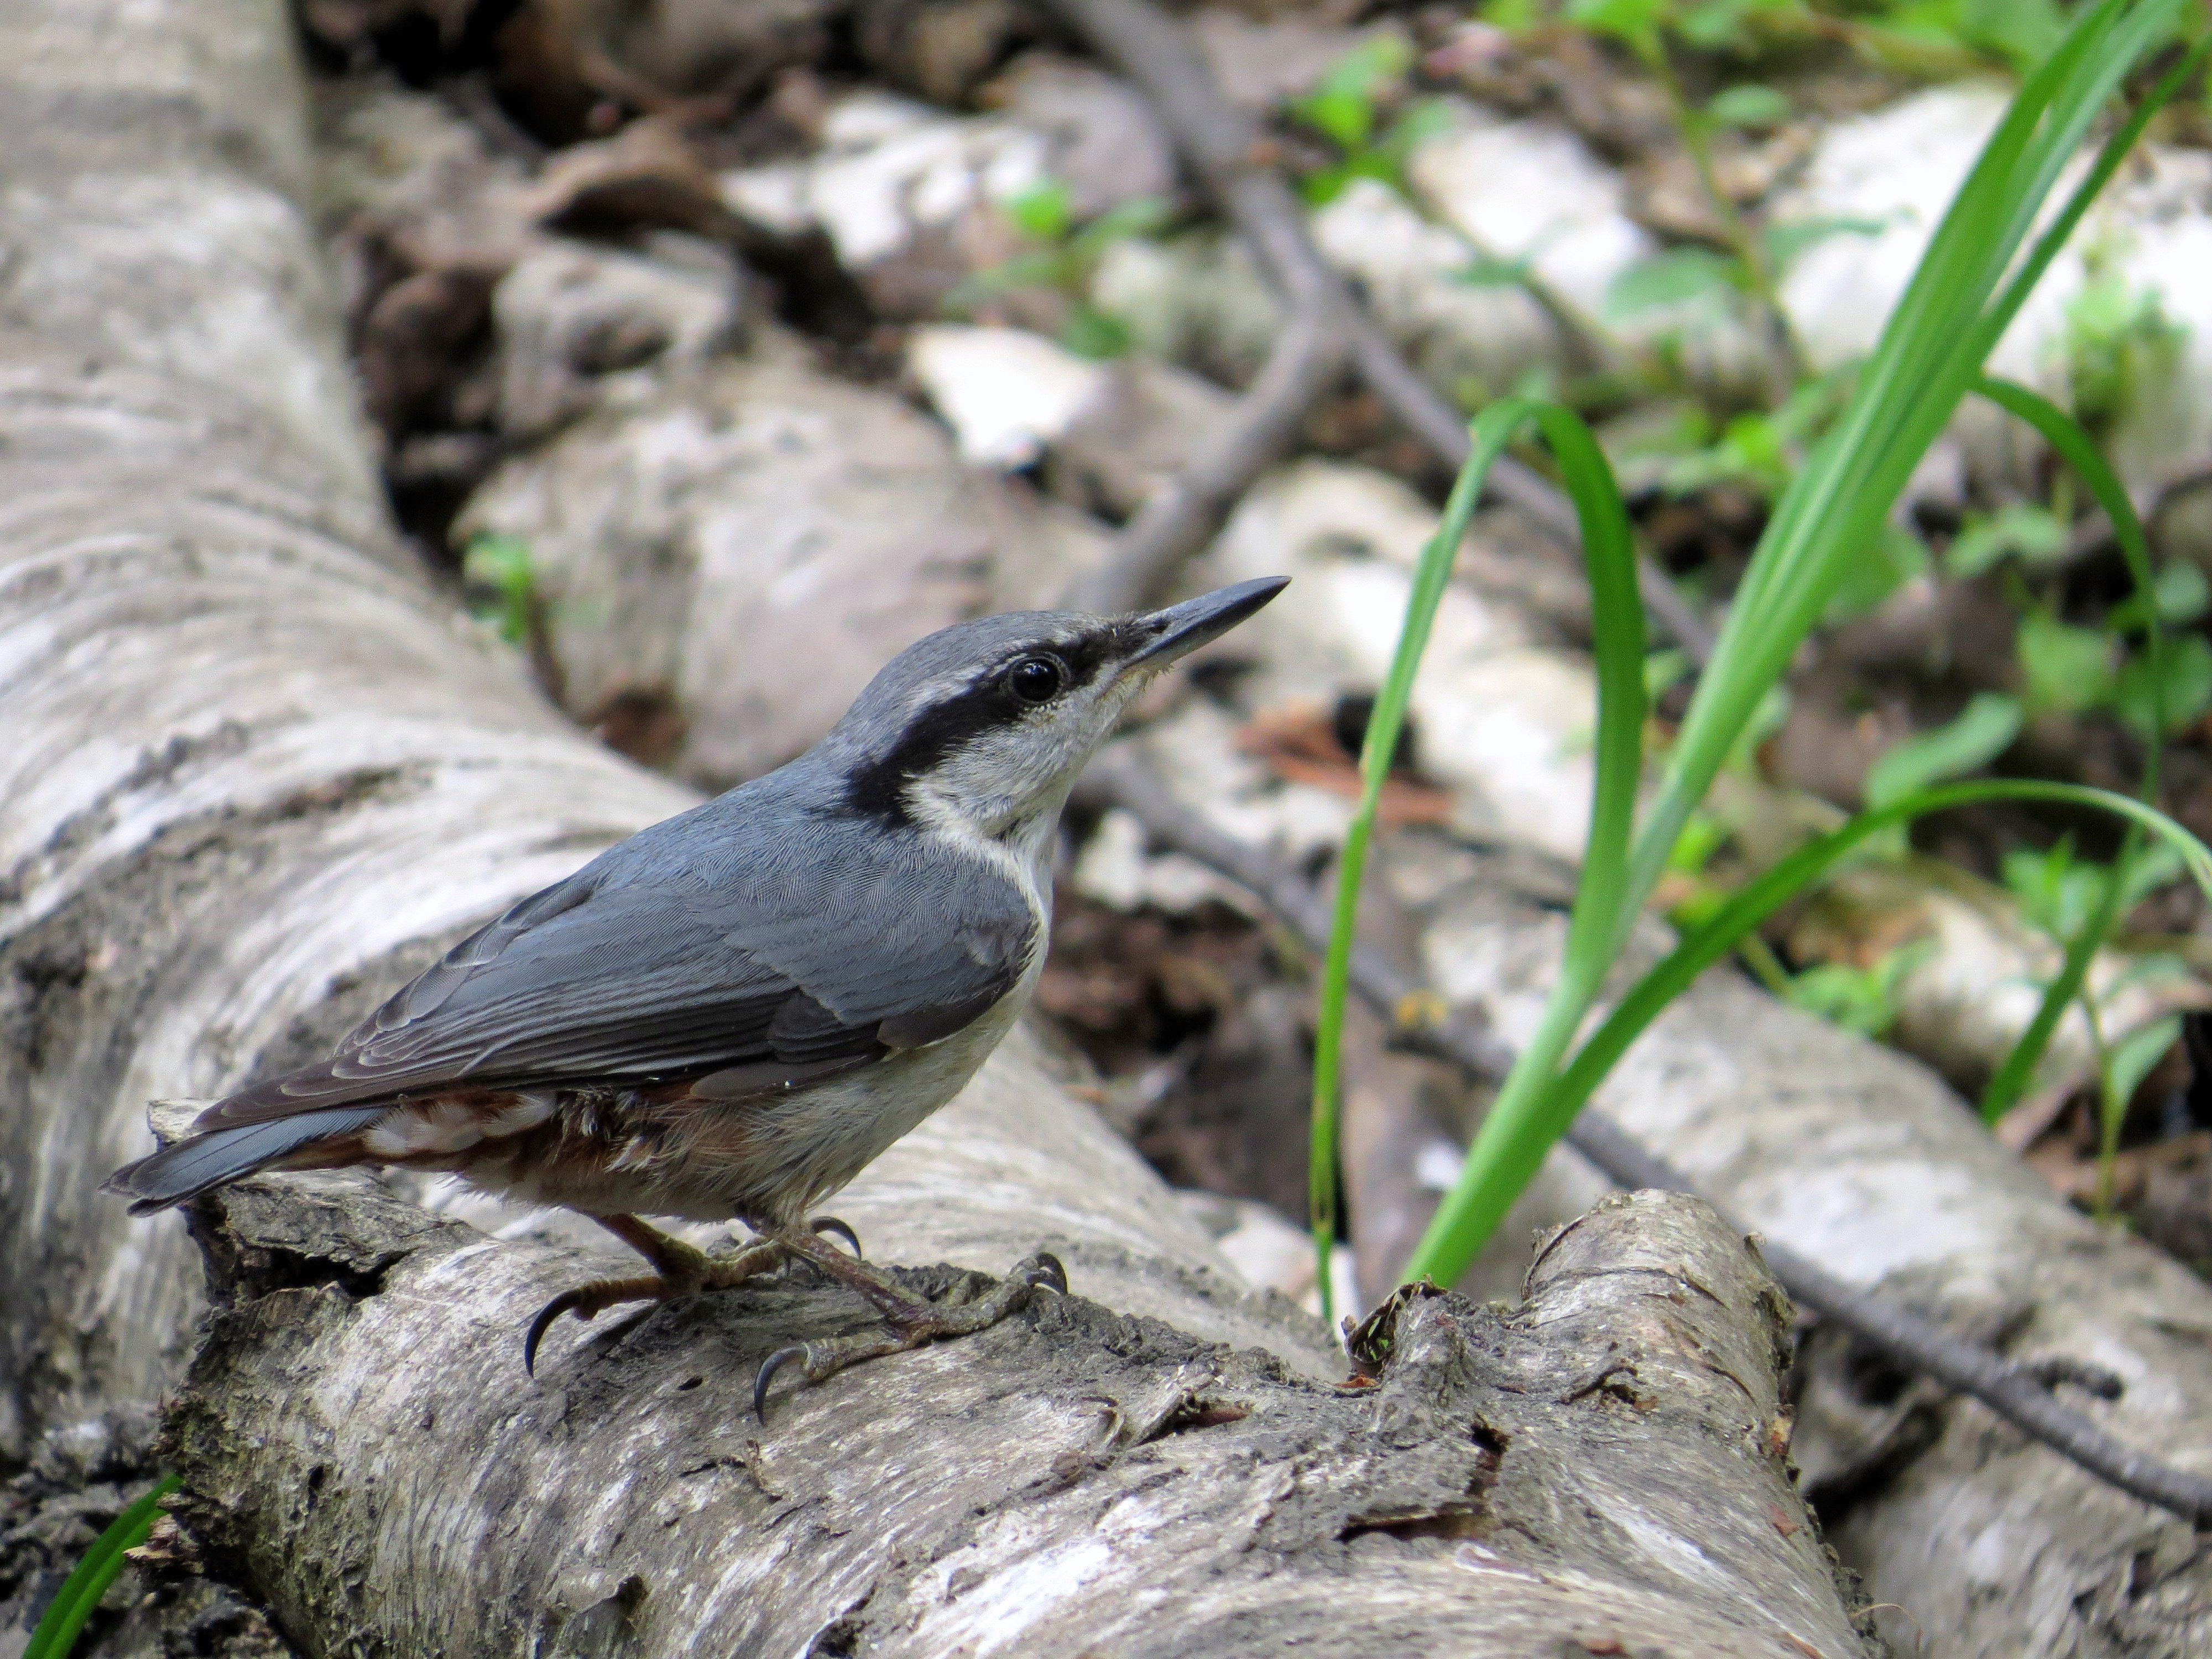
(732, 1012)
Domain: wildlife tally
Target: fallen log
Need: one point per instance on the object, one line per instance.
(1606, 1464)
(258, 772)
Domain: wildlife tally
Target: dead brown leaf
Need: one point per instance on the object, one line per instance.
(1299, 742)
(645, 175)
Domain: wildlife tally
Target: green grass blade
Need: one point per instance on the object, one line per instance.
(2013, 1078)
(2079, 451)
(1609, 552)
(1750, 907)
(1930, 350)
(2116, 148)
(2075, 446)
(1933, 344)
(57, 1631)
(1603, 897)
(1384, 725)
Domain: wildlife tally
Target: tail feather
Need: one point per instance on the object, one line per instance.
(191, 1167)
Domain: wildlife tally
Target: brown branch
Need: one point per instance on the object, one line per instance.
(1920, 1344)
(1225, 152)
(1307, 356)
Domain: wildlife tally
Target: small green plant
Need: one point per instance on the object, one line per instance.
(80, 1594)
(1346, 107)
(1652, 30)
(1983, 259)
(1913, 36)
(2076, 902)
(2058, 891)
(1862, 999)
(2118, 337)
(2033, 536)
(1982, 731)
(1060, 255)
(502, 586)
(1761, 450)
(2121, 1068)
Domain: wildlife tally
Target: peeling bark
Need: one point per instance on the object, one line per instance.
(1604, 1464)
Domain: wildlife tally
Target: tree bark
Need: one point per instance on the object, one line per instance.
(257, 772)
(1604, 1465)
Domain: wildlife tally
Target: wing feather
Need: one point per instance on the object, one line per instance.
(650, 964)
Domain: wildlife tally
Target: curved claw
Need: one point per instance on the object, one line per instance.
(546, 1315)
(1046, 1270)
(770, 1366)
(829, 1224)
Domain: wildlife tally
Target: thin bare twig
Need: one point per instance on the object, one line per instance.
(1920, 1344)
(1225, 152)
(1307, 356)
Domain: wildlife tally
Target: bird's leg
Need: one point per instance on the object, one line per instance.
(912, 1320)
(679, 1269)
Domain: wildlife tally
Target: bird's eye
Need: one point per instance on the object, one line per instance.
(1035, 680)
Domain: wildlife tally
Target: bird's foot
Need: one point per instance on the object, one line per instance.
(910, 1320)
(681, 1270)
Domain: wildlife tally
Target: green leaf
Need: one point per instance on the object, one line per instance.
(1675, 277)
(2068, 438)
(1862, 999)
(2068, 670)
(1785, 242)
(1140, 216)
(1714, 25)
(1662, 671)
(1897, 555)
(2054, 891)
(2032, 534)
(2129, 1061)
(1324, 185)
(1346, 119)
(1750, 106)
(2121, 1070)
(2118, 337)
(2182, 680)
(1982, 732)
(2018, 31)
(1342, 105)
(1423, 121)
(2180, 596)
(1044, 212)
(2149, 870)
(499, 566)
(1485, 271)
(1753, 903)
(80, 1594)
(1702, 836)
(1090, 332)
(1634, 21)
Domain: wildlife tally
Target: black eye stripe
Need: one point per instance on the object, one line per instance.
(878, 787)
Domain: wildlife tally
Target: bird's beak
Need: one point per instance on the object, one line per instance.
(1182, 628)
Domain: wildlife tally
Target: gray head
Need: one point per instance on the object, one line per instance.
(981, 727)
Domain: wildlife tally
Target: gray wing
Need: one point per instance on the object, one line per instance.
(650, 963)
